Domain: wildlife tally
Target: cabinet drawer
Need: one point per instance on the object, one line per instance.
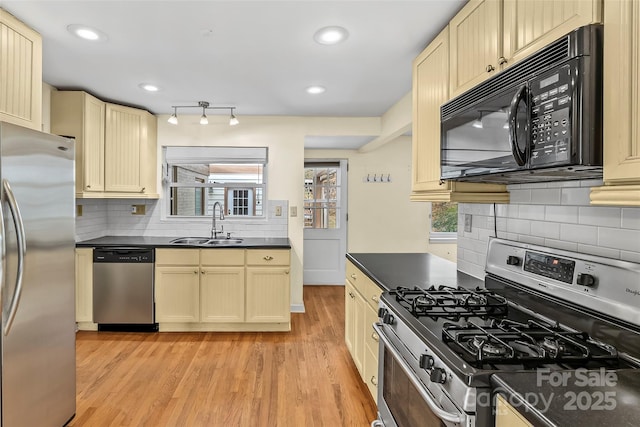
(177, 256)
(371, 373)
(367, 288)
(222, 257)
(267, 257)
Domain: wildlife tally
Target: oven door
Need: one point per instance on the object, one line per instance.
(403, 398)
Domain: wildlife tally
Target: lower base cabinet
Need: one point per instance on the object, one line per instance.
(507, 416)
(84, 289)
(222, 290)
(361, 312)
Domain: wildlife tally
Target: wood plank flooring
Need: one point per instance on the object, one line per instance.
(302, 378)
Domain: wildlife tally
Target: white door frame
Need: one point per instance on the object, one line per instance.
(330, 269)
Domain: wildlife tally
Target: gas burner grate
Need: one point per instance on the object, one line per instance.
(531, 344)
(451, 303)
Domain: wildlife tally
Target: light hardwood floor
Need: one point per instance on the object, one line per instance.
(301, 378)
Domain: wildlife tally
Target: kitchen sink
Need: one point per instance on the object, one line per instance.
(190, 241)
(216, 242)
(204, 241)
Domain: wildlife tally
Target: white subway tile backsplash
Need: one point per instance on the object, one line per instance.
(575, 196)
(586, 234)
(631, 218)
(554, 214)
(619, 238)
(545, 196)
(600, 216)
(568, 214)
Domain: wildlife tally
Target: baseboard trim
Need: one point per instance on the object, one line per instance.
(297, 308)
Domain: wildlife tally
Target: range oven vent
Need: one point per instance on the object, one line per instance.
(555, 53)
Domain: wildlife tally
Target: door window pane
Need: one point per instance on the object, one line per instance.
(321, 195)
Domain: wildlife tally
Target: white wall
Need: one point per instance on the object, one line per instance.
(381, 216)
(557, 215)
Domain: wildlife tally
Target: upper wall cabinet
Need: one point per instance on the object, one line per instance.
(20, 73)
(621, 106)
(490, 35)
(115, 146)
(430, 91)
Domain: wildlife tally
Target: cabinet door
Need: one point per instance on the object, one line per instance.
(475, 44)
(371, 352)
(20, 73)
(267, 295)
(350, 317)
(84, 285)
(430, 91)
(507, 416)
(93, 144)
(177, 291)
(530, 25)
(222, 294)
(123, 135)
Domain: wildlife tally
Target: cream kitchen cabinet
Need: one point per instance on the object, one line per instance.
(621, 107)
(78, 114)
(430, 91)
(20, 73)
(116, 155)
(507, 416)
(268, 286)
(84, 289)
(490, 35)
(222, 290)
(361, 312)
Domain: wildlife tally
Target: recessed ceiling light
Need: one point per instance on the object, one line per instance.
(331, 35)
(86, 33)
(149, 87)
(315, 90)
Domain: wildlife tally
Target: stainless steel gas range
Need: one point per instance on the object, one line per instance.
(542, 310)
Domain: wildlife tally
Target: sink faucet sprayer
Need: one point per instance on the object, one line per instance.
(214, 232)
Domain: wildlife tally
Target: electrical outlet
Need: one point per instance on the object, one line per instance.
(78, 210)
(138, 209)
(278, 210)
(467, 222)
(293, 211)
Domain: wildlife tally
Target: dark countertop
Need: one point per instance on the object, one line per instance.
(411, 269)
(163, 242)
(578, 400)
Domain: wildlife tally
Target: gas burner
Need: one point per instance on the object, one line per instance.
(553, 346)
(488, 348)
(424, 301)
(474, 300)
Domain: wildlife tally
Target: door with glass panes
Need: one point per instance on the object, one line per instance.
(325, 222)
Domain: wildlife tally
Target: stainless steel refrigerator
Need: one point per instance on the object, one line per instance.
(37, 242)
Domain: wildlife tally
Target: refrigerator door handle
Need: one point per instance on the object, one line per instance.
(22, 250)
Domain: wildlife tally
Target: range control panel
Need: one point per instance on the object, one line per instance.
(550, 266)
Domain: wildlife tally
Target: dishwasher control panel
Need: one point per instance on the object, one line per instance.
(123, 255)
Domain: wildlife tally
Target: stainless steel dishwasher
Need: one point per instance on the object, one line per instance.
(123, 289)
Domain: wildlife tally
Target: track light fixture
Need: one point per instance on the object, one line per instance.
(173, 119)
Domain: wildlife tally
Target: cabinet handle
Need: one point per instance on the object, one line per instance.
(201, 271)
(195, 272)
(375, 337)
(375, 298)
(351, 295)
(353, 276)
(267, 258)
(502, 60)
(490, 68)
(286, 272)
(143, 188)
(374, 381)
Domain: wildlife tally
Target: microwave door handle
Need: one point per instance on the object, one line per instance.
(21, 243)
(512, 118)
(430, 401)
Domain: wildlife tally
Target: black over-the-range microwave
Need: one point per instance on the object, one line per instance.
(539, 120)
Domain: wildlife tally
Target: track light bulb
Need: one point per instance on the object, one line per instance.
(233, 120)
(174, 117)
(204, 120)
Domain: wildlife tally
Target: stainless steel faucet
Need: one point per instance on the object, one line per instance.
(214, 231)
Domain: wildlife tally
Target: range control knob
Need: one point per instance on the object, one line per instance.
(513, 260)
(438, 375)
(426, 361)
(388, 318)
(382, 312)
(584, 279)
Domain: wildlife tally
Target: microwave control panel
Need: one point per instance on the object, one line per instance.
(550, 117)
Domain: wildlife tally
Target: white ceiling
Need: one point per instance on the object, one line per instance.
(258, 56)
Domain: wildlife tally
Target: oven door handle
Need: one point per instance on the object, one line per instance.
(441, 413)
